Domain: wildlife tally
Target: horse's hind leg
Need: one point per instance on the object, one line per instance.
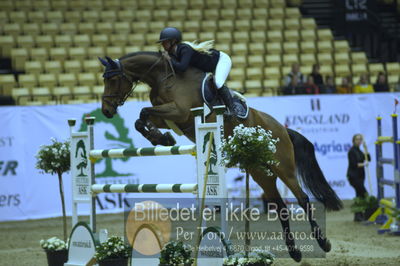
(268, 184)
(288, 176)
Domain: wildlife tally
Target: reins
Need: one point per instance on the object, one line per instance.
(120, 72)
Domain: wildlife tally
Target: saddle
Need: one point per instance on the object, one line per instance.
(211, 97)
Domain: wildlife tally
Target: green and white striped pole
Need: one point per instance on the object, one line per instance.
(151, 151)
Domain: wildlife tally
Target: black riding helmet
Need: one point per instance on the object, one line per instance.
(170, 33)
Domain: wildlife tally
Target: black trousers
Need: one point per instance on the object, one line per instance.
(357, 182)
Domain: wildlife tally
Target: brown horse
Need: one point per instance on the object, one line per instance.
(174, 94)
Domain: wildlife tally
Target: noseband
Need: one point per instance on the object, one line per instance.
(121, 98)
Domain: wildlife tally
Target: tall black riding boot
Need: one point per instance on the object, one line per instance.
(228, 100)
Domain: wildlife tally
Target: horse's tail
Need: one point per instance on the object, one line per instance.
(310, 172)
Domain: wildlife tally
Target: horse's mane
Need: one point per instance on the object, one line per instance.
(155, 54)
(139, 53)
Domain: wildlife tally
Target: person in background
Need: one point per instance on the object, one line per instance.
(363, 85)
(310, 87)
(381, 84)
(293, 81)
(355, 171)
(329, 87)
(318, 80)
(6, 100)
(345, 87)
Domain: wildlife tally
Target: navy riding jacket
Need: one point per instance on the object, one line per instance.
(186, 56)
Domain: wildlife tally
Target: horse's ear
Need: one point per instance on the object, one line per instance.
(103, 62)
(112, 63)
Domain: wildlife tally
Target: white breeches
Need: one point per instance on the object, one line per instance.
(222, 70)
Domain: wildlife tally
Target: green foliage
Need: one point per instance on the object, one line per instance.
(362, 204)
(113, 248)
(396, 214)
(239, 259)
(249, 148)
(176, 253)
(54, 158)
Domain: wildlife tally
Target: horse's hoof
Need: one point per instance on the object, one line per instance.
(167, 139)
(295, 253)
(327, 247)
(323, 242)
(154, 142)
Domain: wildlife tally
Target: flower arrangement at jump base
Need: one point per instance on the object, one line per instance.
(176, 254)
(55, 159)
(56, 251)
(253, 259)
(250, 148)
(53, 244)
(113, 252)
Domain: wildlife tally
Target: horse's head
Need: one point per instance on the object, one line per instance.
(117, 86)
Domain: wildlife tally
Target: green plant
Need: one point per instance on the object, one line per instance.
(249, 148)
(240, 259)
(396, 215)
(361, 204)
(113, 248)
(55, 159)
(176, 253)
(53, 244)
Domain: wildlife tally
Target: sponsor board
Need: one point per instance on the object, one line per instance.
(328, 121)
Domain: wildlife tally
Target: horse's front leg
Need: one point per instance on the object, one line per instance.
(149, 128)
(153, 118)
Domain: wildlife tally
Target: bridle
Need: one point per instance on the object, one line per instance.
(121, 98)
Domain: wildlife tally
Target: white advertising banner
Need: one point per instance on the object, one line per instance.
(328, 121)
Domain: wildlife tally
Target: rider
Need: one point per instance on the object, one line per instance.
(201, 56)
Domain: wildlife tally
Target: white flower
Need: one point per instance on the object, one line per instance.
(242, 261)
